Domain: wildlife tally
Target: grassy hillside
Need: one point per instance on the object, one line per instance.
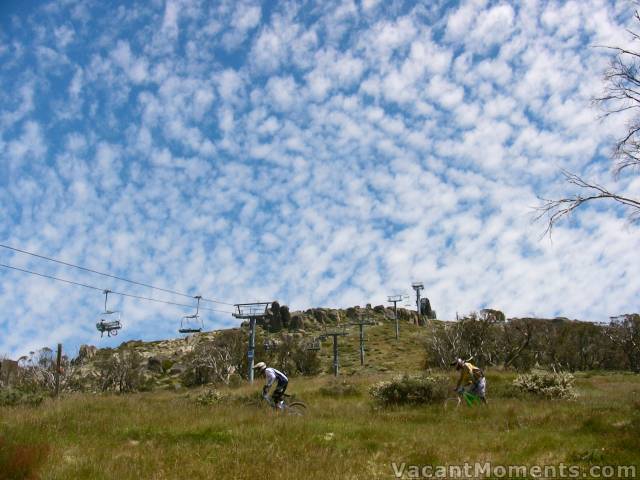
(382, 352)
(168, 434)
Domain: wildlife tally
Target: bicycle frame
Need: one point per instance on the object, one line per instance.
(294, 408)
(470, 399)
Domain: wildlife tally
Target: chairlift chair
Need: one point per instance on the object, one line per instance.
(109, 322)
(314, 345)
(407, 301)
(192, 323)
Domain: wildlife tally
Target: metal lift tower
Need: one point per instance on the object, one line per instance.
(418, 286)
(335, 334)
(395, 299)
(362, 324)
(252, 312)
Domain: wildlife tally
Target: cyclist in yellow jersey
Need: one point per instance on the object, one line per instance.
(471, 379)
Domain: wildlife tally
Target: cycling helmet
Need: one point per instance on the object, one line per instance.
(458, 363)
(261, 367)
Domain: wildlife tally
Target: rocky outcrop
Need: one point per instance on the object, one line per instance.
(154, 364)
(8, 371)
(86, 352)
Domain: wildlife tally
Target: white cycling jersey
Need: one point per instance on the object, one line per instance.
(272, 375)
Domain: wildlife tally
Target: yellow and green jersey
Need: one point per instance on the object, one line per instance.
(469, 373)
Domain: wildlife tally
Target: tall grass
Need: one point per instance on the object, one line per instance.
(170, 435)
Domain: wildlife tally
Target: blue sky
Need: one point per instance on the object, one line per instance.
(318, 153)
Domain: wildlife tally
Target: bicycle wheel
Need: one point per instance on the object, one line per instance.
(296, 408)
(452, 403)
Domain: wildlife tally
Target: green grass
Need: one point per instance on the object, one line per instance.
(382, 351)
(168, 435)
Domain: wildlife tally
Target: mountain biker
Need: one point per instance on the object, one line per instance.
(273, 375)
(471, 378)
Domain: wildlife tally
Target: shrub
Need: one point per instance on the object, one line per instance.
(410, 389)
(307, 362)
(546, 384)
(120, 371)
(166, 365)
(340, 389)
(216, 360)
(289, 354)
(10, 397)
(210, 396)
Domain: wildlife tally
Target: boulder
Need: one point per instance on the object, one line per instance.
(296, 323)
(8, 371)
(320, 315)
(177, 368)
(86, 352)
(154, 364)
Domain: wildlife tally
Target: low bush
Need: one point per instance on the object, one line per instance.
(121, 371)
(10, 397)
(166, 365)
(552, 385)
(410, 390)
(211, 396)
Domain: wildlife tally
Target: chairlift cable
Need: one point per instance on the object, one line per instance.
(51, 277)
(166, 290)
(139, 297)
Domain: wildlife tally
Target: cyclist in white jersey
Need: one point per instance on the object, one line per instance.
(272, 375)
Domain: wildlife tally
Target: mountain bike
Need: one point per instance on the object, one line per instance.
(461, 395)
(290, 408)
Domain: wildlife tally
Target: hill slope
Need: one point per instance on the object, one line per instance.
(163, 363)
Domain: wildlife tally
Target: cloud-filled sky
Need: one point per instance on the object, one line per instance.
(318, 153)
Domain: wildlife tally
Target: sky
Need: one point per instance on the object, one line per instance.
(324, 154)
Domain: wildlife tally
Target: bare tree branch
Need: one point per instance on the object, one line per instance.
(554, 210)
(621, 94)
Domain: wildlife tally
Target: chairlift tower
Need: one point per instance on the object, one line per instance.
(335, 334)
(252, 312)
(418, 286)
(395, 299)
(362, 324)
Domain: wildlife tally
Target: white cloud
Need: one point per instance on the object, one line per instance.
(135, 68)
(245, 18)
(282, 91)
(355, 147)
(369, 4)
(460, 22)
(170, 18)
(493, 26)
(269, 50)
(229, 83)
(29, 146)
